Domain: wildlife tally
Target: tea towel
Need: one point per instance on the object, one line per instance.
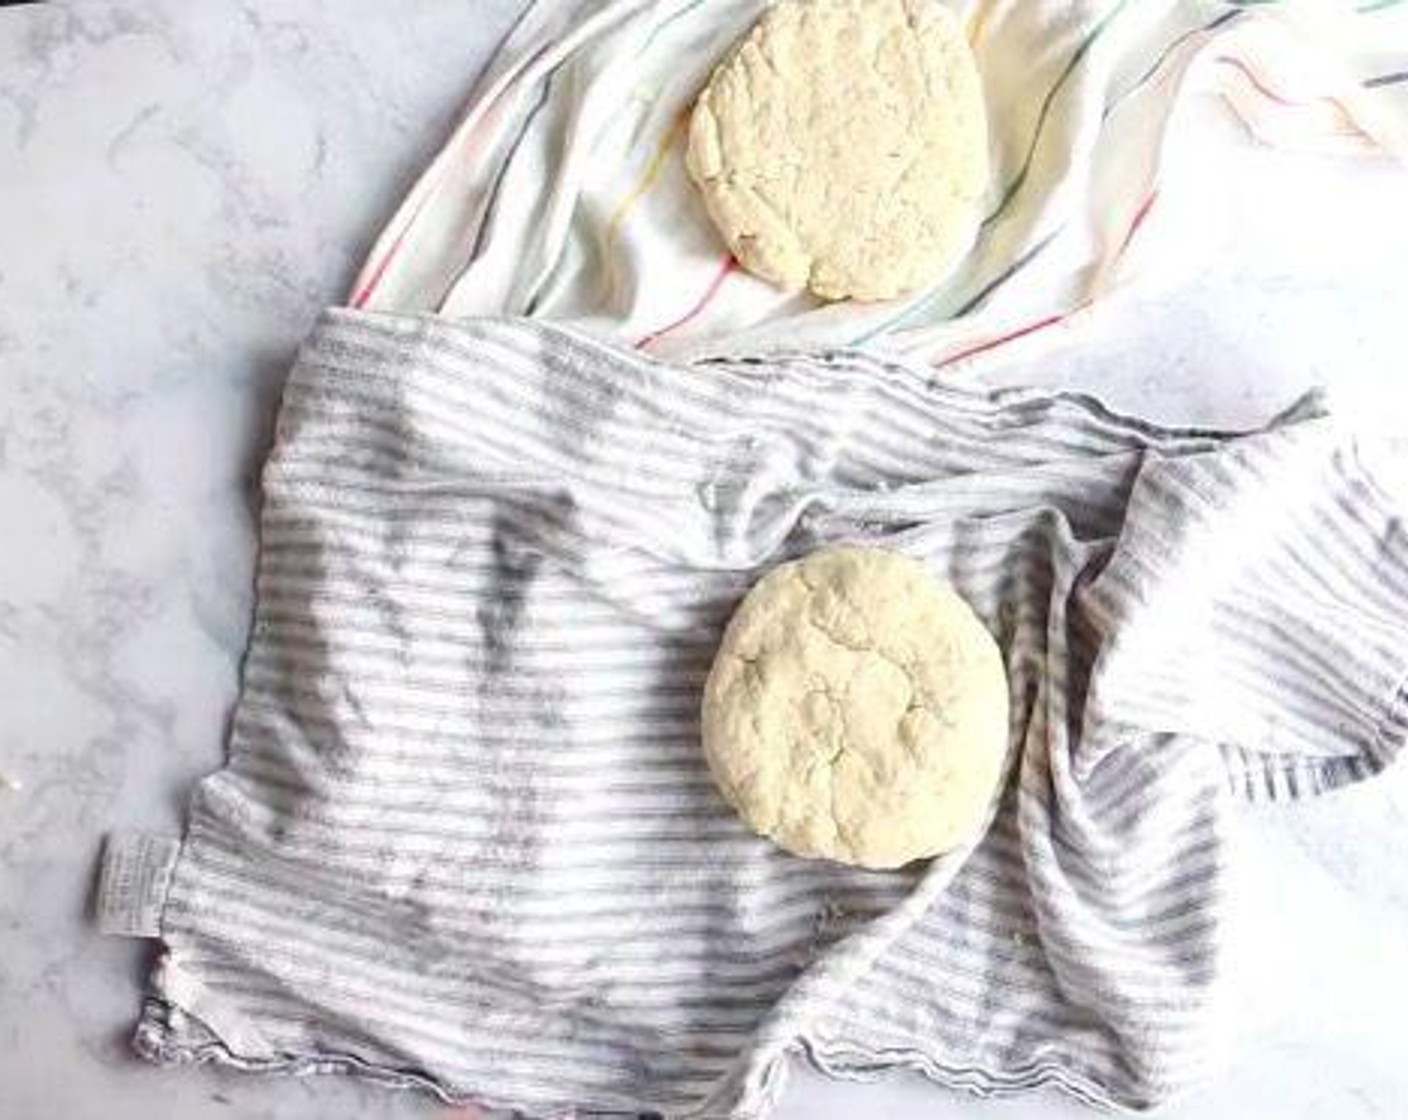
(466, 838)
(562, 193)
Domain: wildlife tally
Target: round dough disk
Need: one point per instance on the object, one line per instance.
(843, 146)
(857, 710)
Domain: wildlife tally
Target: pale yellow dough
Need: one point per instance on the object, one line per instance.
(842, 146)
(857, 710)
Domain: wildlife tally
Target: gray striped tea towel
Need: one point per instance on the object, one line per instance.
(466, 840)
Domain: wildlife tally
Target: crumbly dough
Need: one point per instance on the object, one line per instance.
(857, 710)
(843, 146)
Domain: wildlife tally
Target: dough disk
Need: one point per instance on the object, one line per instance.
(843, 146)
(857, 710)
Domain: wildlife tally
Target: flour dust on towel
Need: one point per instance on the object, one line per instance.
(466, 838)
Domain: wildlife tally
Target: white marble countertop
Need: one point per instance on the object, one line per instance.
(182, 187)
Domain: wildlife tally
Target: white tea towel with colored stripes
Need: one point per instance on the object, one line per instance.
(466, 838)
(562, 193)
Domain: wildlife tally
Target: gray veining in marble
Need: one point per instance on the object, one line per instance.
(183, 185)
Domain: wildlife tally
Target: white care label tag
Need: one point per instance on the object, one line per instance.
(133, 881)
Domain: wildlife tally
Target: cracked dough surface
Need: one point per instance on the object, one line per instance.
(857, 710)
(843, 147)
